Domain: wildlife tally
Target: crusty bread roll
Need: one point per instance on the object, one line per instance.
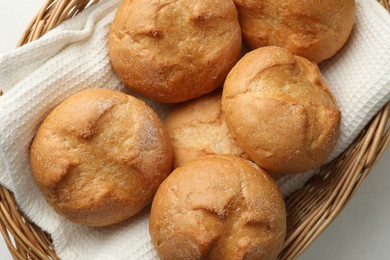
(218, 207)
(280, 110)
(198, 128)
(172, 51)
(100, 156)
(314, 29)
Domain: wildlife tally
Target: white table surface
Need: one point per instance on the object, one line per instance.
(361, 231)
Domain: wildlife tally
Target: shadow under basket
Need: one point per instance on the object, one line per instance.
(309, 210)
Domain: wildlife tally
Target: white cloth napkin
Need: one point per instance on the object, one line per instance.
(39, 75)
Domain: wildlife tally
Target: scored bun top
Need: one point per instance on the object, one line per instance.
(172, 51)
(197, 128)
(218, 207)
(280, 110)
(314, 29)
(100, 156)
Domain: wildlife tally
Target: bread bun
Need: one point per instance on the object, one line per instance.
(314, 29)
(100, 156)
(280, 111)
(218, 207)
(172, 51)
(198, 128)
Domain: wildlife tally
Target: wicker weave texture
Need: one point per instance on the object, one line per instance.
(310, 209)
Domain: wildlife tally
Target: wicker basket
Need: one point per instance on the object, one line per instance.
(310, 209)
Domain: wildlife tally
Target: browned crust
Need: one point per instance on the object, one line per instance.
(313, 29)
(280, 110)
(198, 128)
(99, 156)
(172, 51)
(218, 207)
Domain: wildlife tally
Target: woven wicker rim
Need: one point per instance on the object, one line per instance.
(310, 209)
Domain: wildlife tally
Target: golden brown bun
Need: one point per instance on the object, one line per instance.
(280, 111)
(100, 156)
(173, 51)
(198, 128)
(314, 29)
(218, 207)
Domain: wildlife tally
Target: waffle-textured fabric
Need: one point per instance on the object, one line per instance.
(73, 56)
